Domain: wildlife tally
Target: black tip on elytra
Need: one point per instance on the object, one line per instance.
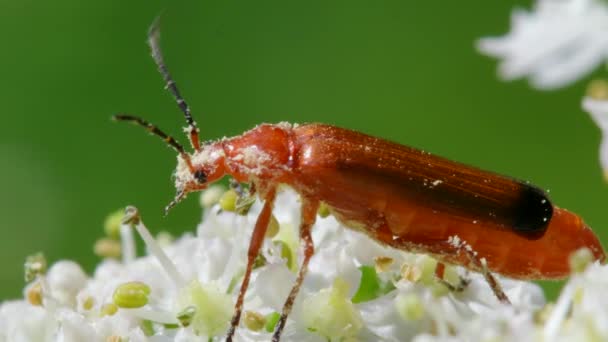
(533, 211)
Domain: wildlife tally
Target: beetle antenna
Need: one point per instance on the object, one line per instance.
(154, 42)
(156, 131)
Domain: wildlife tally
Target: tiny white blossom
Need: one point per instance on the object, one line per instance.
(22, 322)
(65, 279)
(555, 44)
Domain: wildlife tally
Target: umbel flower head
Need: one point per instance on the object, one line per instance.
(356, 290)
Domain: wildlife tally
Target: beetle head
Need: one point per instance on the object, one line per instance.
(196, 171)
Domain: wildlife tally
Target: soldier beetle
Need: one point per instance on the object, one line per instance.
(397, 195)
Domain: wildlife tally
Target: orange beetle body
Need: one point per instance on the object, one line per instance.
(403, 197)
(397, 195)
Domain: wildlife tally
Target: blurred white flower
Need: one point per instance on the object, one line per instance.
(555, 44)
(598, 110)
(20, 321)
(348, 295)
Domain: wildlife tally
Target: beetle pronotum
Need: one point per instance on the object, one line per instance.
(397, 195)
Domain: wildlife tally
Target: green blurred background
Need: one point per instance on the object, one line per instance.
(403, 70)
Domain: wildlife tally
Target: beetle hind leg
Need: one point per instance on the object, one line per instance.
(490, 279)
(480, 264)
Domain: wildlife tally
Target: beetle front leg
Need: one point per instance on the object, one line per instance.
(309, 216)
(261, 225)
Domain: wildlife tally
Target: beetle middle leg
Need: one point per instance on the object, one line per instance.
(261, 225)
(309, 215)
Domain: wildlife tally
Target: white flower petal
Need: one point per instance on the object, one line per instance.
(74, 328)
(272, 285)
(65, 278)
(21, 322)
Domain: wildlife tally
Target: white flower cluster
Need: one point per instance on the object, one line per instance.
(555, 44)
(355, 290)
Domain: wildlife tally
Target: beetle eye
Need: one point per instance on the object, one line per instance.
(200, 176)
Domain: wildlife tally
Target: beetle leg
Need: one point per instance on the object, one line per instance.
(261, 225)
(490, 279)
(440, 273)
(482, 266)
(309, 215)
